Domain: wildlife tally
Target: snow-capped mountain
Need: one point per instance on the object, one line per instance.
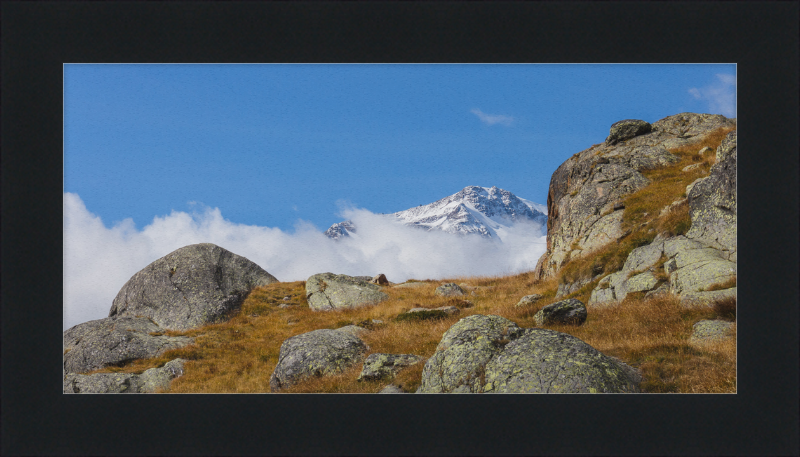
(486, 211)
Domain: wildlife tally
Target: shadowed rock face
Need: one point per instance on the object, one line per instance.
(190, 287)
(328, 291)
(113, 340)
(584, 198)
(316, 353)
(569, 311)
(492, 354)
(712, 201)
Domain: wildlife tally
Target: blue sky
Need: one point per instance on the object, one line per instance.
(260, 159)
(270, 145)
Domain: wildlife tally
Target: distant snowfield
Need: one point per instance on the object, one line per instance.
(98, 260)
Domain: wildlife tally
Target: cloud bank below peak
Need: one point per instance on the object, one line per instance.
(98, 260)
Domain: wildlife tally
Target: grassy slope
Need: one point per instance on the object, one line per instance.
(240, 355)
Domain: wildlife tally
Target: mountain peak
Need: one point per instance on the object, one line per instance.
(485, 211)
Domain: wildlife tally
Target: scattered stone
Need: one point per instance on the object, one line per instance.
(386, 366)
(705, 150)
(316, 353)
(711, 330)
(690, 186)
(377, 321)
(156, 379)
(570, 311)
(691, 167)
(328, 291)
(450, 310)
(115, 340)
(669, 208)
(392, 389)
(449, 289)
(190, 287)
(380, 280)
(618, 206)
(287, 298)
(286, 305)
(627, 129)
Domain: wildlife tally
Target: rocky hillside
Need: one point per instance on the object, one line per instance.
(652, 207)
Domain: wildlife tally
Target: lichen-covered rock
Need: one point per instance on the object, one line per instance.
(586, 190)
(386, 366)
(627, 129)
(465, 348)
(545, 361)
(316, 353)
(190, 287)
(570, 311)
(156, 379)
(711, 330)
(712, 201)
(101, 383)
(115, 340)
(528, 300)
(328, 291)
(641, 283)
(152, 380)
(449, 289)
(698, 269)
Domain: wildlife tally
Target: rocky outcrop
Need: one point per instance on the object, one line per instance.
(691, 268)
(328, 291)
(386, 366)
(712, 201)
(450, 310)
(190, 287)
(493, 354)
(113, 341)
(317, 353)
(380, 279)
(152, 380)
(707, 331)
(564, 312)
(392, 389)
(627, 129)
(584, 198)
(450, 289)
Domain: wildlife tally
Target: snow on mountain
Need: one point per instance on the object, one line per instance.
(485, 211)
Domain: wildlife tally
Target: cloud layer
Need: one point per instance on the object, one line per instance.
(720, 95)
(491, 119)
(99, 260)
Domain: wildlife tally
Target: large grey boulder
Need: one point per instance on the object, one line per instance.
(712, 201)
(190, 287)
(584, 202)
(707, 331)
(386, 366)
(316, 353)
(492, 354)
(450, 289)
(570, 311)
(545, 361)
(465, 348)
(328, 291)
(115, 340)
(627, 129)
(152, 380)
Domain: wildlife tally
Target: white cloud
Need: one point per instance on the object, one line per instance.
(491, 119)
(99, 260)
(720, 95)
